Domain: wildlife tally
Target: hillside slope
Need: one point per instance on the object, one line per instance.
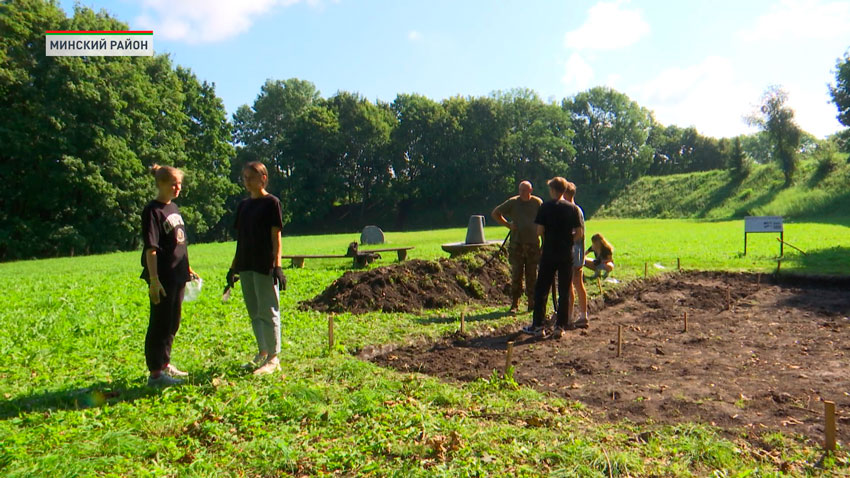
(816, 192)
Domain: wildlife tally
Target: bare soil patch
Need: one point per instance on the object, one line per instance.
(415, 285)
(765, 363)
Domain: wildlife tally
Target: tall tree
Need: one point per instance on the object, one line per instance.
(840, 90)
(776, 118)
(611, 132)
(77, 134)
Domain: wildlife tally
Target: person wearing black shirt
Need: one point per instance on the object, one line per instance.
(556, 221)
(165, 267)
(257, 264)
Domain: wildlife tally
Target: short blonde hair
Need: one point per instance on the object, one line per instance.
(165, 173)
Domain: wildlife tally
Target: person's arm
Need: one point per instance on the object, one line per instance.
(156, 290)
(276, 246)
(500, 218)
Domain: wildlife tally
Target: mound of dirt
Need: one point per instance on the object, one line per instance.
(417, 284)
(760, 353)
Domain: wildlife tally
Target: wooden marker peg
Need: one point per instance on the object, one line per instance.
(778, 266)
(463, 322)
(728, 299)
(829, 425)
(599, 283)
(645, 270)
(685, 318)
(330, 333)
(678, 264)
(619, 340)
(509, 356)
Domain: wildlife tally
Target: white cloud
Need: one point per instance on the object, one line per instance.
(813, 110)
(414, 35)
(205, 21)
(609, 26)
(801, 19)
(707, 95)
(578, 73)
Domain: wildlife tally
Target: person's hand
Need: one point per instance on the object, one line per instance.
(193, 275)
(232, 277)
(279, 278)
(156, 290)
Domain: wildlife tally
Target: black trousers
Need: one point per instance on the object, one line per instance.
(162, 327)
(545, 276)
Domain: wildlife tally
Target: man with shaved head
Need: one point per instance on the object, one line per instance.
(517, 214)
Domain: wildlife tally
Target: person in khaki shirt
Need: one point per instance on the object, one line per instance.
(524, 248)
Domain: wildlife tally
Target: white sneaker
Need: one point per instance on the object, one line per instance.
(174, 371)
(164, 380)
(255, 362)
(271, 365)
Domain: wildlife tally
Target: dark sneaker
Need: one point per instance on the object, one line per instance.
(164, 380)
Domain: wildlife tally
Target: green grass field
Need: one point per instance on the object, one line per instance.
(73, 400)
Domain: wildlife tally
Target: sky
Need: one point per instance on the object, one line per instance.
(692, 62)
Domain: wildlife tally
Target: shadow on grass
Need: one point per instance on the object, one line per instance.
(448, 319)
(100, 393)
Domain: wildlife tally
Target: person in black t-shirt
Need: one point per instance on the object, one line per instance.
(165, 267)
(257, 264)
(556, 221)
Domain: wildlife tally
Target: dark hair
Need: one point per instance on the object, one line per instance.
(558, 184)
(165, 173)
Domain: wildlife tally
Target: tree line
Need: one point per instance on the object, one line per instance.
(77, 134)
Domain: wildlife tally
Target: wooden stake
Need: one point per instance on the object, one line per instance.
(599, 283)
(686, 321)
(619, 340)
(645, 269)
(509, 355)
(829, 425)
(330, 333)
(728, 299)
(778, 266)
(463, 322)
(678, 264)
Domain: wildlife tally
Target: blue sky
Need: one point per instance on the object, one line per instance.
(694, 63)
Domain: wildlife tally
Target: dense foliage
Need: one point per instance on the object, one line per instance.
(78, 133)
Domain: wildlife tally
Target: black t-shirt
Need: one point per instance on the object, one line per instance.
(163, 230)
(558, 218)
(255, 219)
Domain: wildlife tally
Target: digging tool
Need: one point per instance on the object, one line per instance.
(500, 249)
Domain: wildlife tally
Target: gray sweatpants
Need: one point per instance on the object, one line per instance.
(263, 303)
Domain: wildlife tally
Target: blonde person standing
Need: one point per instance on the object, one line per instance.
(257, 264)
(165, 263)
(578, 263)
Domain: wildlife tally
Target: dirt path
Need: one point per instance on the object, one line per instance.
(765, 363)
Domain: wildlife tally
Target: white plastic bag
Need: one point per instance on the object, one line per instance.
(193, 289)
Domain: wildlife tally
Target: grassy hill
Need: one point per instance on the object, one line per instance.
(819, 191)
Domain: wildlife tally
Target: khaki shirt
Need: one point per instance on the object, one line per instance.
(522, 213)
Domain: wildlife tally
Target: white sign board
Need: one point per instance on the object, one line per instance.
(763, 224)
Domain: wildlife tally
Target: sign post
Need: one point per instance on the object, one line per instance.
(756, 224)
